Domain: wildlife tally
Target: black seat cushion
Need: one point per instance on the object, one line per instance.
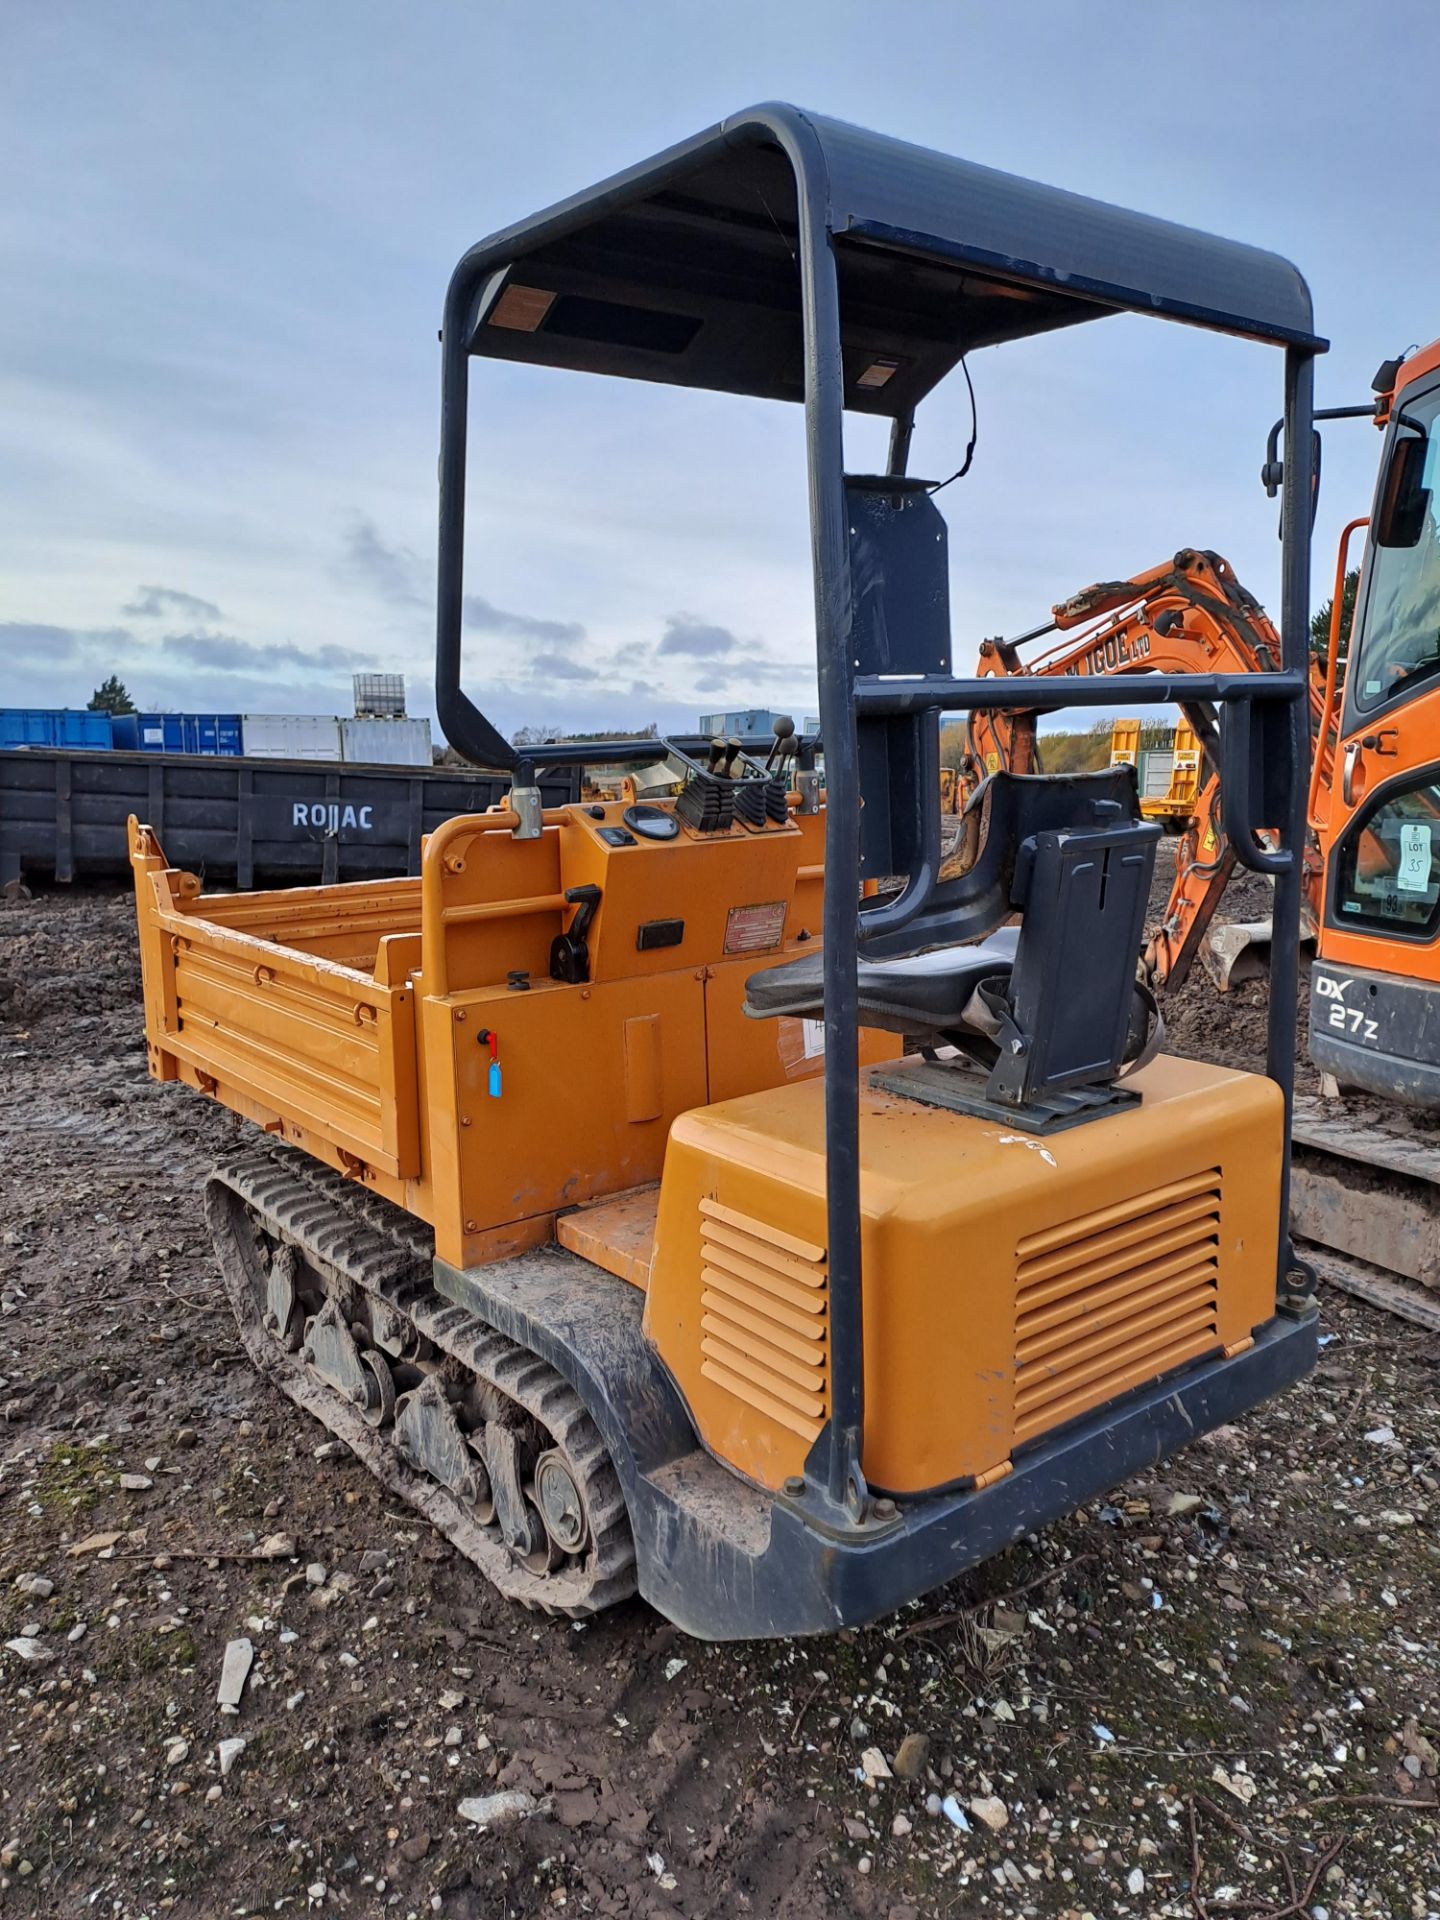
(926, 992)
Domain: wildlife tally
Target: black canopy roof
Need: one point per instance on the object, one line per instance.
(686, 268)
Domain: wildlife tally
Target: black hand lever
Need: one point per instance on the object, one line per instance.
(569, 954)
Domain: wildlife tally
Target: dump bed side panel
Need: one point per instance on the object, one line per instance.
(325, 1049)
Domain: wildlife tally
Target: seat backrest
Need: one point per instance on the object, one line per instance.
(1006, 811)
(1083, 893)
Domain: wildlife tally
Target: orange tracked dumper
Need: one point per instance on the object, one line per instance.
(643, 1197)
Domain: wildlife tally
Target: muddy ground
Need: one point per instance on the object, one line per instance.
(1216, 1693)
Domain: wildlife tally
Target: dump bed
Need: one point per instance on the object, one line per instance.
(421, 1037)
(299, 1001)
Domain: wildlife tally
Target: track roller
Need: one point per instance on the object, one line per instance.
(379, 1407)
(558, 1498)
(331, 1291)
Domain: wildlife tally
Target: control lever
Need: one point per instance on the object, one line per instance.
(783, 744)
(569, 954)
(527, 803)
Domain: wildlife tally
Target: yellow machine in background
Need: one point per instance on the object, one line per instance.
(1173, 803)
(1125, 744)
(708, 1188)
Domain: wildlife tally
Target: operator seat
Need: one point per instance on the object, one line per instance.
(1051, 1010)
(928, 997)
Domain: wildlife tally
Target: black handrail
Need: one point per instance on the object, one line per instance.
(1295, 522)
(878, 696)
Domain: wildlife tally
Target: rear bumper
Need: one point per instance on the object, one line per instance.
(1376, 1031)
(806, 1581)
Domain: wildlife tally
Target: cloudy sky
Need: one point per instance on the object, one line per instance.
(225, 235)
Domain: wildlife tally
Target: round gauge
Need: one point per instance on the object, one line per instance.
(651, 823)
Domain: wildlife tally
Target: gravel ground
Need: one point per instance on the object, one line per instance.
(1217, 1693)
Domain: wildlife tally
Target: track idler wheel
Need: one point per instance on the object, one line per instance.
(544, 1555)
(484, 1502)
(558, 1498)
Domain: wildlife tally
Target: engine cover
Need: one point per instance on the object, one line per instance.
(1011, 1283)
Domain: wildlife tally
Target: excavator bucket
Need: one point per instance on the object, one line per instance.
(1239, 952)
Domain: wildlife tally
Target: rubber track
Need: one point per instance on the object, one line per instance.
(355, 1239)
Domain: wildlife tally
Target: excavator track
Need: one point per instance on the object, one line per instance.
(331, 1288)
(1366, 1201)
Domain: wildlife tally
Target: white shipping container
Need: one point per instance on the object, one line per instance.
(386, 743)
(290, 736)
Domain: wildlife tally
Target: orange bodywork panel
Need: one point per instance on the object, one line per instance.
(576, 1116)
(303, 1043)
(1010, 1283)
(409, 1033)
(618, 1235)
(1406, 741)
(1380, 748)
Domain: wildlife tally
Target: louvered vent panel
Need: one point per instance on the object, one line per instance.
(764, 1328)
(1113, 1299)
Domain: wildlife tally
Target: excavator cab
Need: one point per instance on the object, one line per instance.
(725, 1193)
(1375, 986)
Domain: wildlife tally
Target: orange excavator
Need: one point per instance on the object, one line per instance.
(1378, 827)
(1189, 615)
(1375, 983)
